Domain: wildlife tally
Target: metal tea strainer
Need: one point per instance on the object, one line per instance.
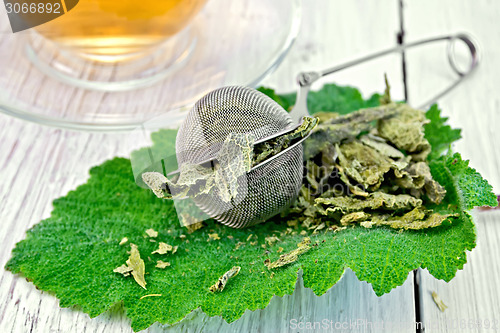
(272, 185)
(268, 187)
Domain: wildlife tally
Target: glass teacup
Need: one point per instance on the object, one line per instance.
(125, 43)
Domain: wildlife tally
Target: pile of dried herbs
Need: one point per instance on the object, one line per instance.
(369, 167)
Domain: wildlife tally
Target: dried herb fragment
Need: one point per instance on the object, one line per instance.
(376, 200)
(354, 218)
(221, 283)
(439, 302)
(151, 233)
(276, 145)
(123, 269)
(214, 236)
(291, 256)
(406, 131)
(386, 97)
(417, 177)
(381, 146)
(342, 128)
(151, 295)
(163, 248)
(365, 165)
(415, 219)
(233, 160)
(193, 226)
(318, 227)
(135, 266)
(162, 264)
(271, 240)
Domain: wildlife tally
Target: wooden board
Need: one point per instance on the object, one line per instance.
(473, 297)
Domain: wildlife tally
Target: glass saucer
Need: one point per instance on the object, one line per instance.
(237, 43)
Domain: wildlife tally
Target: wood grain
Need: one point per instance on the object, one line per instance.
(473, 295)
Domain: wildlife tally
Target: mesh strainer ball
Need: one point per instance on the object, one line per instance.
(269, 187)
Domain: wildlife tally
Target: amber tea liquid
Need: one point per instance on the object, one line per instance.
(111, 30)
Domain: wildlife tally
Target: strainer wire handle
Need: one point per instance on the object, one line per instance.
(306, 79)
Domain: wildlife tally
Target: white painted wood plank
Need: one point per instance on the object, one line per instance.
(40, 164)
(474, 106)
(473, 296)
(44, 164)
(336, 31)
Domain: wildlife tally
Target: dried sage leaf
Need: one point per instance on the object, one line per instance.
(162, 264)
(214, 236)
(151, 233)
(406, 131)
(271, 240)
(369, 168)
(163, 248)
(338, 129)
(418, 218)
(291, 256)
(221, 283)
(363, 164)
(193, 226)
(135, 266)
(375, 200)
(123, 269)
(354, 218)
(381, 146)
(274, 146)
